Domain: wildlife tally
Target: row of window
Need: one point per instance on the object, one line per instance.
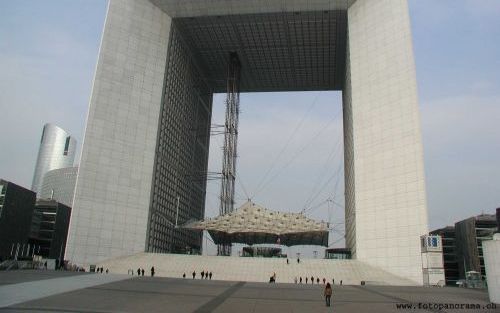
(3, 190)
(178, 155)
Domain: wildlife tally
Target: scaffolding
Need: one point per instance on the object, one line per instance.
(230, 142)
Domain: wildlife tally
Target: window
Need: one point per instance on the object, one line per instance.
(3, 189)
(43, 133)
(434, 242)
(66, 146)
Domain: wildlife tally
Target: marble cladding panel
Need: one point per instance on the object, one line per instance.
(387, 155)
(113, 187)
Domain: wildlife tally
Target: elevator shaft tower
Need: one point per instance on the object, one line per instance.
(230, 142)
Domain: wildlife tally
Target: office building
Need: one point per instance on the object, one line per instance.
(147, 135)
(16, 210)
(59, 185)
(449, 254)
(469, 235)
(49, 228)
(57, 150)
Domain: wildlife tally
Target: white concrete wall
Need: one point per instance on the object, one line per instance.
(491, 254)
(113, 187)
(381, 101)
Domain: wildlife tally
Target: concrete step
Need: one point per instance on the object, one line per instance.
(250, 269)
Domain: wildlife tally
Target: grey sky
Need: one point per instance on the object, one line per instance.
(48, 52)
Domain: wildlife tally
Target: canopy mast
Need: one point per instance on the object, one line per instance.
(230, 142)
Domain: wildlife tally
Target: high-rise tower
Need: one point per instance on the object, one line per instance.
(57, 150)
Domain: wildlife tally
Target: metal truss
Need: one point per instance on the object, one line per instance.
(230, 142)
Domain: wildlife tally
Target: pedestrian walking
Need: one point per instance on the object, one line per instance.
(312, 280)
(152, 271)
(328, 294)
(202, 274)
(341, 282)
(194, 274)
(184, 275)
(324, 280)
(307, 279)
(287, 261)
(210, 275)
(206, 274)
(300, 279)
(142, 272)
(317, 280)
(138, 272)
(272, 279)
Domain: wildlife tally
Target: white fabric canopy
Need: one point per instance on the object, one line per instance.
(252, 224)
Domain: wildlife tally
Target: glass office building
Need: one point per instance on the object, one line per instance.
(57, 150)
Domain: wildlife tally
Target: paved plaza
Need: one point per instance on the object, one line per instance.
(49, 291)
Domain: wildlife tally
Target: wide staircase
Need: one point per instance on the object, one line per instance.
(351, 272)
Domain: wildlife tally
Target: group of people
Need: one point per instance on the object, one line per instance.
(101, 270)
(328, 288)
(141, 271)
(204, 275)
(306, 279)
